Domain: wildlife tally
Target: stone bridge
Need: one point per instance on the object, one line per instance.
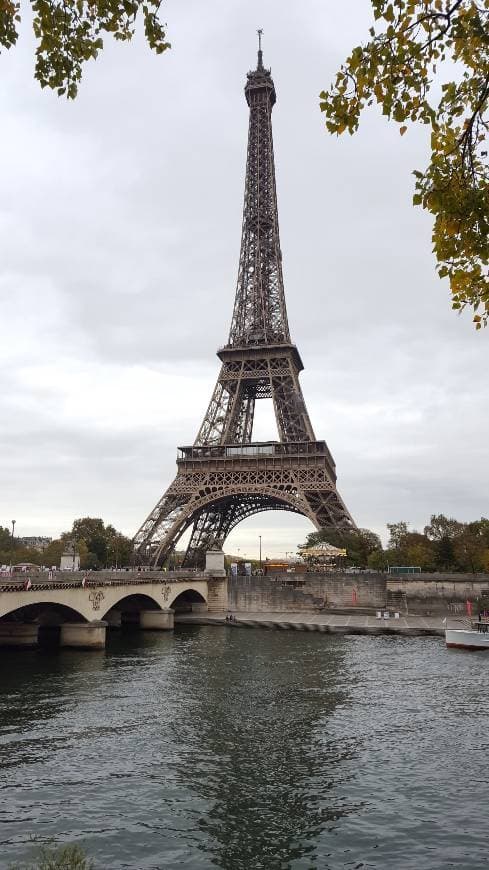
(77, 608)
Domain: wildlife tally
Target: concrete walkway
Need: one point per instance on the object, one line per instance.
(328, 623)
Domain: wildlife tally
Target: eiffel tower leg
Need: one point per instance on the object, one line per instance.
(329, 510)
(209, 532)
(290, 408)
(245, 427)
(241, 412)
(211, 429)
(149, 541)
(229, 417)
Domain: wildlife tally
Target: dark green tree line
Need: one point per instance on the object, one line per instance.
(99, 546)
(445, 544)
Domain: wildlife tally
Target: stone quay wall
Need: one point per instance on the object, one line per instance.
(438, 593)
(305, 592)
(412, 593)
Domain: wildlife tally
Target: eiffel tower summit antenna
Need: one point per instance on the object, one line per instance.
(225, 476)
(260, 52)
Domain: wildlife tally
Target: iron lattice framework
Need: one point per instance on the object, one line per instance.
(225, 476)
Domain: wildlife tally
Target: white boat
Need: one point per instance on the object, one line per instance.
(475, 637)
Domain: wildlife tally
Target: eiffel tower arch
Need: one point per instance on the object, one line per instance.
(225, 476)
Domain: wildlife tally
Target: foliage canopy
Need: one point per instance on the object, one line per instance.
(69, 33)
(359, 544)
(99, 546)
(445, 545)
(397, 68)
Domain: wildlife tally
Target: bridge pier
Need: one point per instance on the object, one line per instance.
(17, 634)
(114, 618)
(217, 600)
(156, 620)
(83, 635)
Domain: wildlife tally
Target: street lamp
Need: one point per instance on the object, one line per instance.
(12, 544)
(260, 550)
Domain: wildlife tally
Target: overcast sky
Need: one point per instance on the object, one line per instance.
(120, 219)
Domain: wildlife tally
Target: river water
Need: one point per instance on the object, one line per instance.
(224, 747)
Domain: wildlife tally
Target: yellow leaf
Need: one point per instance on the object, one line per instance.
(402, 130)
(451, 227)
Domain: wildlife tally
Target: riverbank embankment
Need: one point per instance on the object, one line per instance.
(421, 594)
(327, 623)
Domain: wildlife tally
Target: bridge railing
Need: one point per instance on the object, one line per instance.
(40, 583)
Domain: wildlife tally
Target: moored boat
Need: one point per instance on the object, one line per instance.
(475, 637)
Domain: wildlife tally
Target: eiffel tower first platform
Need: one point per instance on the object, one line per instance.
(225, 476)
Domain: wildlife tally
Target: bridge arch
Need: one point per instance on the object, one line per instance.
(45, 613)
(133, 601)
(188, 600)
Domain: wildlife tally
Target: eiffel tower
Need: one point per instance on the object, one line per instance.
(225, 476)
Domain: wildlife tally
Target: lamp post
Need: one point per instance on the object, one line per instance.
(12, 544)
(260, 550)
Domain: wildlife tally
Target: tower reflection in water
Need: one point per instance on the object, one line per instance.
(207, 747)
(265, 761)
